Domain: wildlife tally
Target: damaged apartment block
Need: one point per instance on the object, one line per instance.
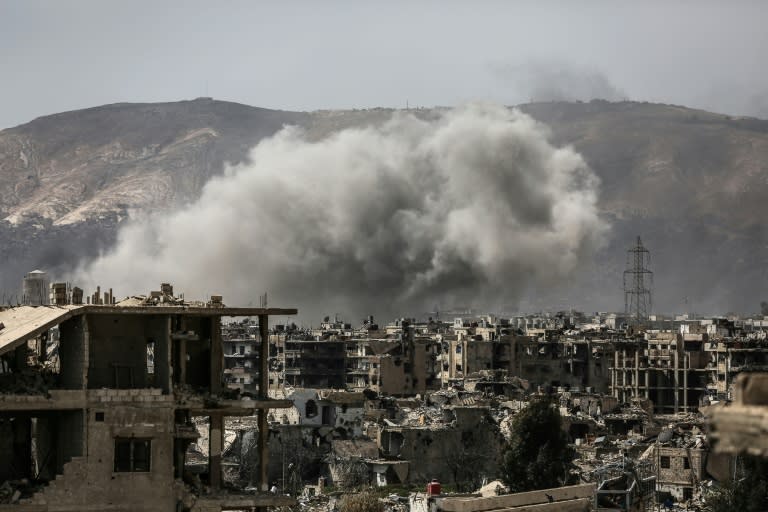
(97, 403)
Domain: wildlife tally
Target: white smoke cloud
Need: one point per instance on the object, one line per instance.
(471, 207)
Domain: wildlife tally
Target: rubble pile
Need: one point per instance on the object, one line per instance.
(28, 382)
(8, 493)
(12, 491)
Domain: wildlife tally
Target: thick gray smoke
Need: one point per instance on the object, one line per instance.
(474, 207)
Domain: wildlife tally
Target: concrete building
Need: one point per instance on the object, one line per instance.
(680, 470)
(462, 450)
(314, 363)
(404, 367)
(242, 346)
(728, 357)
(108, 428)
(668, 368)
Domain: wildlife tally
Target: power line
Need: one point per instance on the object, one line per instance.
(638, 280)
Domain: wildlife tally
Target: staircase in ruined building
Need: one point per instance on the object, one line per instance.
(72, 477)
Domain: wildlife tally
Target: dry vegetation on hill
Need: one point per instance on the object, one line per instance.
(694, 184)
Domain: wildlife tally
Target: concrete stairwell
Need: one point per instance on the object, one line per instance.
(63, 486)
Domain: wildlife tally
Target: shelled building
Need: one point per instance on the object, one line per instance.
(108, 427)
(242, 345)
(314, 363)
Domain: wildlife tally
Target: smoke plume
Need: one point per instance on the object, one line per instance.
(472, 206)
(557, 81)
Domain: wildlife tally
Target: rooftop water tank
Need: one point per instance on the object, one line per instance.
(35, 289)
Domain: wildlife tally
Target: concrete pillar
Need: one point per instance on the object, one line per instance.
(263, 395)
(217, 356)
(615, 374)
(215, 448)
(677, 384)
(182, 361)
(178, 346)
(86, 341)
(624, 371)
(637, 372)
(648, 382)
(589, 364)
(166, 375)
(686, 366)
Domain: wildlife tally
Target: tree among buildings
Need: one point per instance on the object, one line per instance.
(538, 455)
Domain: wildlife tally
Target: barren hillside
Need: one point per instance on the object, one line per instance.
(693, 184)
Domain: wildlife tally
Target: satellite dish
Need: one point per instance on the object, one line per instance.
(665, 436)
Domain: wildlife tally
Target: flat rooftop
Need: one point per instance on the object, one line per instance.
(26, 322)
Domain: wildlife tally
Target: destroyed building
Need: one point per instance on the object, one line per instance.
(663, 369)
(463, 448)
(314, 363)
(106, 424)
(242, 342)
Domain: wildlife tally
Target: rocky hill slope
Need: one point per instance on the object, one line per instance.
(693, 184)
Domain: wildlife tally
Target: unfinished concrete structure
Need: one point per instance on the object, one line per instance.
(107, 426)
(626, 486)
(665, 367)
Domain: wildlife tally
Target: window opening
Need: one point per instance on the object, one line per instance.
(132, 455)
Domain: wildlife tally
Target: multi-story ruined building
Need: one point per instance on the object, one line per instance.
(661, 368)
(680, 469)
(728, 357)
(314, 363)
(242, 346)
(676, 363)
(567, 362)
(107, 424)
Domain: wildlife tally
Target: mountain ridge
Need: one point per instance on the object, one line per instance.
(683, 178)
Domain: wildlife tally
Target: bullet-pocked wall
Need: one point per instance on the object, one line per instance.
(127, 351)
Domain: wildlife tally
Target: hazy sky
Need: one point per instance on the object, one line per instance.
(306, 55)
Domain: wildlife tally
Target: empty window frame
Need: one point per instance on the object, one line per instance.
(150, 357)
(132, 455)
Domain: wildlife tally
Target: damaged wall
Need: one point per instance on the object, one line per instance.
(461, 455)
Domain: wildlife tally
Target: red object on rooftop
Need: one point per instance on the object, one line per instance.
(433, 488)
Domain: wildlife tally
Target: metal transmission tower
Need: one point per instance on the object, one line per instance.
(637, 283)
